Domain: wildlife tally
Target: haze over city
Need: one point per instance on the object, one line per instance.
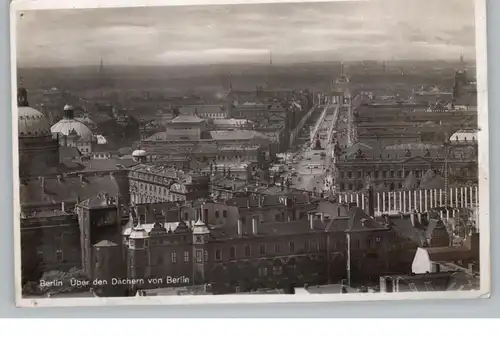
(299, 32)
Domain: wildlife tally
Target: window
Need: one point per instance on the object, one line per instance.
(186, 216)
(360, 174)
(174, 256)
(159, 260)
(291, 246)
(314, 245)
(277, 270)
(217, 214)
(248, 250)
(262, 272)
(321, 245)
(186, 256)
(306, 246)
(377, 239)
(392, 173)
(262, 249)
(199, 255)
(224, 213)
(206, 256)
(59, 255)
(232, 252)
(400, 173)
(218, 254)
(369, 243)
(349, 174)
(341, 186)
(277, 248)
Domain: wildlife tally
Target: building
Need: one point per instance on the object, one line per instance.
(403, 166)
(206, 111)
(151, 183)
(38, 150)
(185, 127)
(73, 133)
(227, 124)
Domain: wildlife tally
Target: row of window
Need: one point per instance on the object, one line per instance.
(359, 186)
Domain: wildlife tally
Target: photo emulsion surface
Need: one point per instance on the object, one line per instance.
(257, 149)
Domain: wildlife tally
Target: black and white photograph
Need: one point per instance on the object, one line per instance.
(259, 152)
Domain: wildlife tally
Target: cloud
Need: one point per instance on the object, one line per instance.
(162, 35)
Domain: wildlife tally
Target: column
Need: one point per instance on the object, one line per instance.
(352, 198)
(378, 203)
(450, 197)
(456, 198)
(426, 205)
(431, 193)
(466, 198)
(476, 193)
(404, 201)
(440, 197)
(415, 200)
(462, 197)
(383, 201)
(357, 200)
(340, 199)
(363, 201)
(420, 200)
(401, 208)
(435, 198)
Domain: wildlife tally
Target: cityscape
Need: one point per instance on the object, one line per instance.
(301, 148)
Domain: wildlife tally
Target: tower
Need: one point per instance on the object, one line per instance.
(100, 220)
(201, 234)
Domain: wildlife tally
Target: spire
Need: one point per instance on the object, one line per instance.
(101, 67)
(341, 68)
(22, 97)
(270, 58)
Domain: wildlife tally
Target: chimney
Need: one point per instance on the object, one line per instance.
(240, 228)
(255, 225)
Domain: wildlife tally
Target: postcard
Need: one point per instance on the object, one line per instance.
(190, 152)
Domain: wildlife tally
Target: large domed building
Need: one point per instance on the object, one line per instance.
(38, 151)
(73, 133)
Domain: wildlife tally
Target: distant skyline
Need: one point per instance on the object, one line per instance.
(295, 32)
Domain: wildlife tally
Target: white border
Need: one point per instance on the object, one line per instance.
(484, 190)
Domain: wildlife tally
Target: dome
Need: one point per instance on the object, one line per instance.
(139, 153)
(32, 123)
(70, 126)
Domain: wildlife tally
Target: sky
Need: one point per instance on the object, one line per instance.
(300, 32)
